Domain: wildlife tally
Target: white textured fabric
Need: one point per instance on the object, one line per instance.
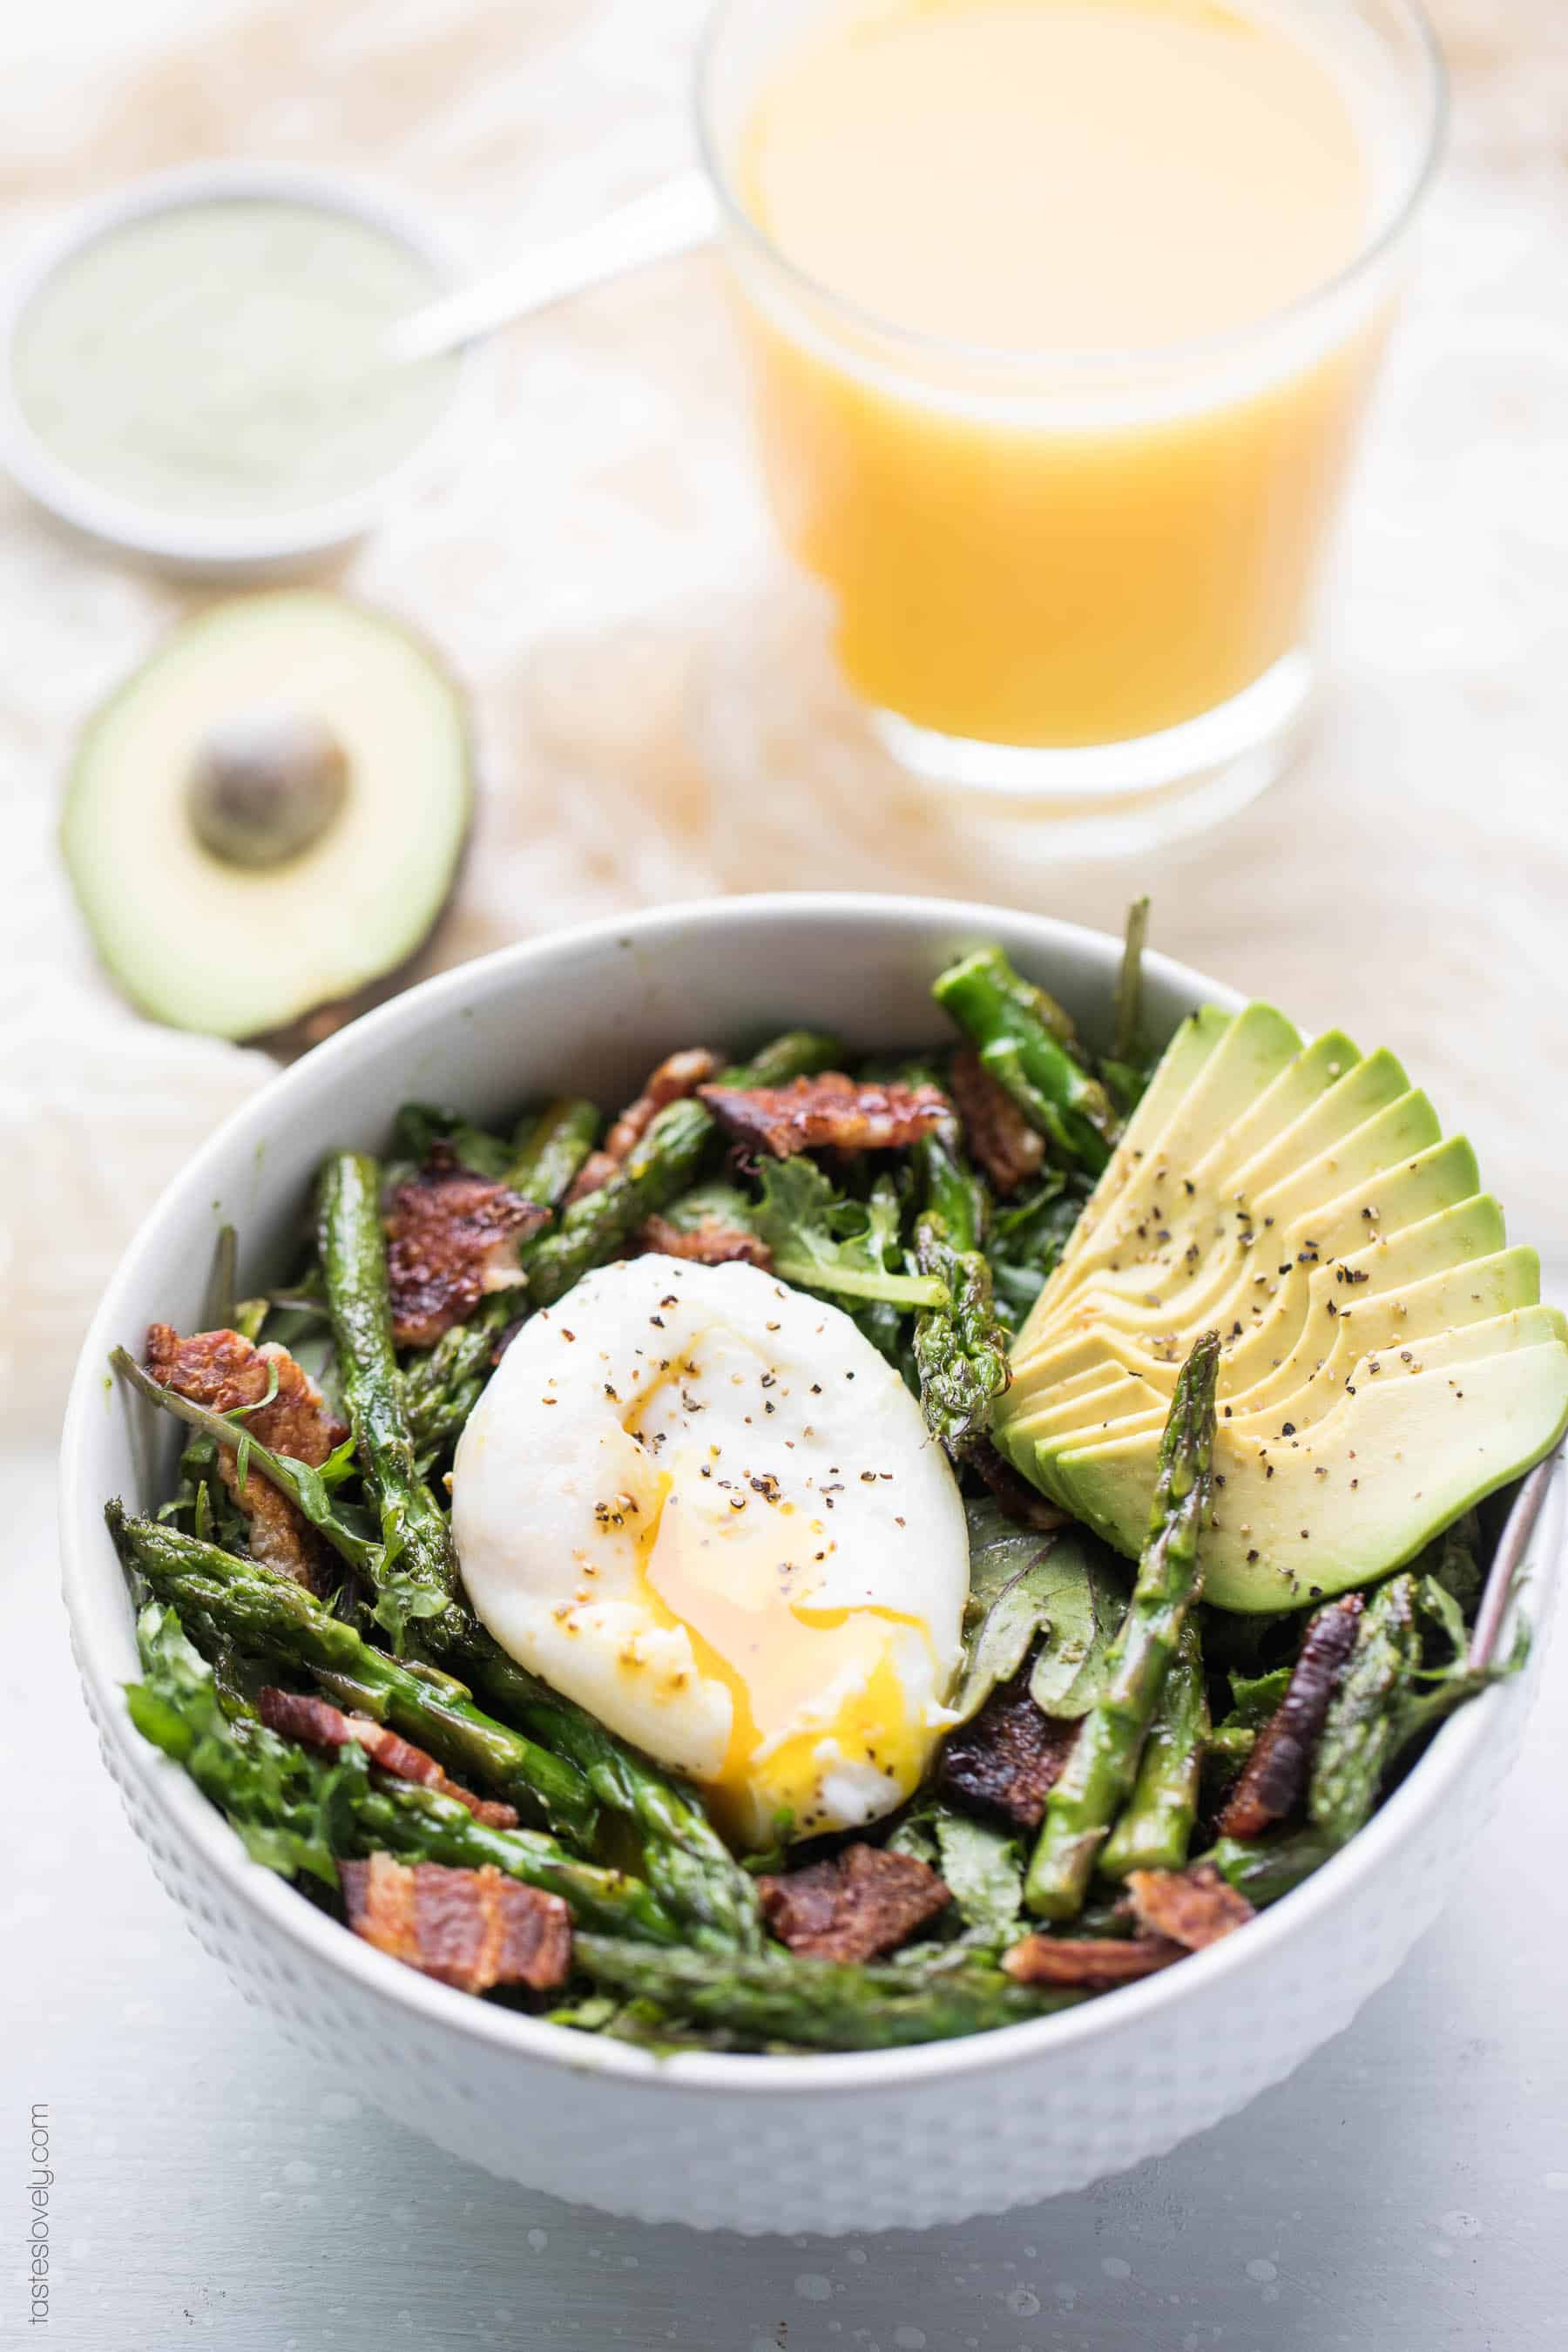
(1408, 881)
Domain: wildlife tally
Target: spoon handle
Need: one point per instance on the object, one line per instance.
(672, 218)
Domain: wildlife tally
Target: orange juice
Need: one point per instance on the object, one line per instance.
(1045, 399)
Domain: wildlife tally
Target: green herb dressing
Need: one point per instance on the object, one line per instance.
(222, 358)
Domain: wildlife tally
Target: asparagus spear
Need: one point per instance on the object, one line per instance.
(419, 1127)
(269, 1616)
(417, 1573)
(284, 1803)
(1358, 1740)
(660, 1166)
(441, 1385)
(599, 1226)
(1128, 1037)
(296, 1810)
(1126, 1068)
(821, 2003)
(687, 1863)
(1156, 1826)
(797, 1053)
(960, 1348)
(421, 1825)
(1263, 1869)
(1020, 1033)
(683, 1857)
(1103, 1765)
(551, 1150)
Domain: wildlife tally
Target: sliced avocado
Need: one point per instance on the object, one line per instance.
(1306, 1384)
(1126, 1221)
(268, 816)
(1193, 1045)
(1262, 1335)
(1180, 1254)
(1271, 1304)
(1234, 1270)
(1368, 1087)
(1400, 1458)
(1401, 1130)
(1289, 1425)
(1392, 1311)
(1079, 1403)
(1300, 1083)
(1385, 1205)
(1063, 1421)
(1270, 1300)
(1334, 1238)
(1050, 1438)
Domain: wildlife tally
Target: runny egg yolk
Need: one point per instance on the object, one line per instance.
(704, 1506)
(745, 1601)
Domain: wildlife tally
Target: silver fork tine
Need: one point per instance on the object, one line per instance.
(1510, 1550)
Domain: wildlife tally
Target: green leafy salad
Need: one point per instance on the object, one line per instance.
(846, 1552)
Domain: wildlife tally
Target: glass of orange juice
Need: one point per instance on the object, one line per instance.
(1061, 317)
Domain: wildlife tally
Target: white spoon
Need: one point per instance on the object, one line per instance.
(673, 218)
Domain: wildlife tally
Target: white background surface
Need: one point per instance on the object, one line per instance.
(1408, 2190)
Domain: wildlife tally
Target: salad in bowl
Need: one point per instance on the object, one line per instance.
(844, 1549)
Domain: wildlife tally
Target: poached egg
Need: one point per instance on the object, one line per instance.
(702, 1504)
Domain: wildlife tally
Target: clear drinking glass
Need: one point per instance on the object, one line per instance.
(1081, 583)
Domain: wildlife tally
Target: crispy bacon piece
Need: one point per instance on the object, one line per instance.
(1093, 1963)
(597, 1169)
(678, 1075)
(997, 1133)
(471, 1928)
(452, 1236)
(221, 1369)
(1010, 1757)
(710, 1242)
(317, 1723)
(1193, 1906)
(865, 1901)
(831, 1110)
(1274, 1778)
(1021, 1501)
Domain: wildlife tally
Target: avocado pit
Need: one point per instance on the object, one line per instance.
(266, 786)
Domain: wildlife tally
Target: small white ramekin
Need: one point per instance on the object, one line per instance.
(219, 548)
(883, 2139)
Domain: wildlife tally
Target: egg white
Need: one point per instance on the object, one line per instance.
(703, 1505)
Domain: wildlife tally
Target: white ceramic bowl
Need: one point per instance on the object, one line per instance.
(229, 547)
(858, 2142)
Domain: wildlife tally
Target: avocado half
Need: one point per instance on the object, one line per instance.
(269, 815)
(1385, 1359)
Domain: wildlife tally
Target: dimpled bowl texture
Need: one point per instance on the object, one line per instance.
(886, 2139)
